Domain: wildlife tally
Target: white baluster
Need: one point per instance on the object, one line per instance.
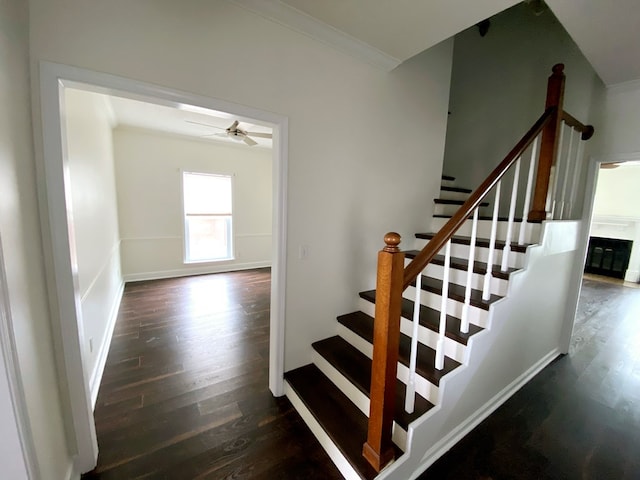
(486, 289)
(567, 172)
(443, 308)
(527, 195)
(464, 321)
(410, 398)
(576, 176)
(556, 171)
(506, 251)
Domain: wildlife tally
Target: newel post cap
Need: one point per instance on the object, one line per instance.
(392, 240)
(558, 69)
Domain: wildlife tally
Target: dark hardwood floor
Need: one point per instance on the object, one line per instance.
(185, 396)
(579, 418)
(184, 393)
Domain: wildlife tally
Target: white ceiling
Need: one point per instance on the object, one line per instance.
(177, 121)
(401, 28)
(607, 32)
(386, 33)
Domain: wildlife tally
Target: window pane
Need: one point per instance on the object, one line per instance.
(207, 194)
(208, 238)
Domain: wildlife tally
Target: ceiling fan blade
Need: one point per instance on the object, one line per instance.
(249, 141)
(204, 124)
(233, 127)
(260, 134)
(221, 134)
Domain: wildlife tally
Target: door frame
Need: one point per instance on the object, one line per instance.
(56, 222)
(591, 184)
(9, 367)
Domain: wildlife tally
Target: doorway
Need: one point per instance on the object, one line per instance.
(55, 204)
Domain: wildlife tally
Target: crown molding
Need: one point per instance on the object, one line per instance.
(630, 86)
(300, 22)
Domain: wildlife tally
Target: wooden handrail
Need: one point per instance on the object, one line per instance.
(586, 130)
(421, 260)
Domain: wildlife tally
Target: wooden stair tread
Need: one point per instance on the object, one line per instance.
(446, 201)
(362, 324)
(345, 424)
(462, 264)
(448, 178)
(480, 242)
(481, 217)
(356, 367)
(456, 292)
(456, 189)
(430, 318)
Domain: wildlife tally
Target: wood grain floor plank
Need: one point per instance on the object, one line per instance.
(185, 389)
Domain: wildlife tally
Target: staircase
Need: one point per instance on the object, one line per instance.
(333, 391)
(458, 323)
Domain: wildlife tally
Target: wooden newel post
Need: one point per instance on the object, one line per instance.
(378, 449)
(549, 143)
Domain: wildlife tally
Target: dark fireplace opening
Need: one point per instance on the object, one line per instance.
(608, 256)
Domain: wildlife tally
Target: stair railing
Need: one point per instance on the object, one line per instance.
(393, 278)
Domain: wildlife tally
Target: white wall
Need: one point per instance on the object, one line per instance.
(616, 211)
(149, 183)
(95, 223)
(365, 146)
(20, 232)
(498, 88)
(621, 120)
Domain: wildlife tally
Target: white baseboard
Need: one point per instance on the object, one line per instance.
(96, 376)
(443, 446)
(185, 272)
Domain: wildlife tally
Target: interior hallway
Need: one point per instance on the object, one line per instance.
(580, 417)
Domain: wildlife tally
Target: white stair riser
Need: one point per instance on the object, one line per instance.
(449, 195)
(459, 277)
(424, 387)
(448, 183)
(516, 259)
(358, 398)
(477, 316)
(452, 349)
(444, 209)
(532, 230)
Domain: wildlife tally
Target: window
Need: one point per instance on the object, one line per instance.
(207, 217)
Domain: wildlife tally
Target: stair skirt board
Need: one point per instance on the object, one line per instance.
(457, 434)
(423, 386)
(343, 465)
(358, 398)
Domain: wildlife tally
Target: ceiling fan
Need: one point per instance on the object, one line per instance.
(235, 132)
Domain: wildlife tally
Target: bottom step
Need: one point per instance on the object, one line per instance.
(342, 421)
